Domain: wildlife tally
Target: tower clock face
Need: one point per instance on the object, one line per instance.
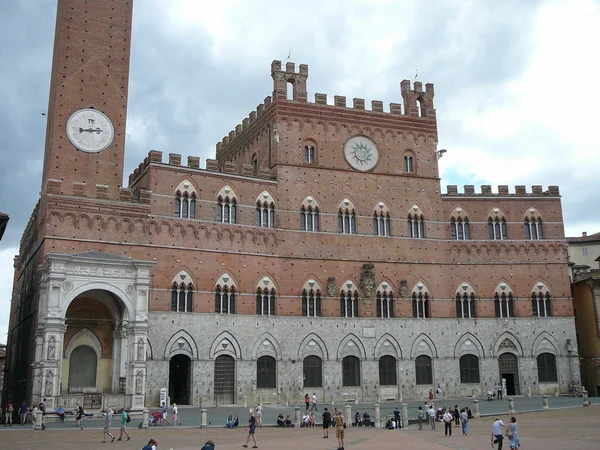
(361, 153)
(90, 130)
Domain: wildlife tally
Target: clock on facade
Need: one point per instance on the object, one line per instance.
(90, 130)
(361, 153)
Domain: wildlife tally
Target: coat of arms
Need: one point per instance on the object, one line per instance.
(367, 280)
(331, 288)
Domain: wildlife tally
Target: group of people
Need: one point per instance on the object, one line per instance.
(123, 421)
(447, 416)
(311, 402)
(574, 388)
(511, 433)
(495, 391)
(284, 421)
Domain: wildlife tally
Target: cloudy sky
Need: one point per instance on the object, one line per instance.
(517, 85)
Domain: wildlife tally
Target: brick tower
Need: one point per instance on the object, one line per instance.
(90, 70)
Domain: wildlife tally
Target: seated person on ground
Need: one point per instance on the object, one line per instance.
(366, 419)
(357, 420)
(305, 420)
(311, 420)
(229, 421)
(236, 422)
(288, 421)
(280, 420)
(61, 413)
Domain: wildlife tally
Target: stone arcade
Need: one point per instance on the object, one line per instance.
(316, 253)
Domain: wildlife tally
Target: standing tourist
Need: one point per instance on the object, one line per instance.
(430, 395)
(251, 429)
(164, 414)
(497, 437)
(464, 418)
(439, 391)
(339, 429)
(307, 401)
(124, 417)
(314, 402)
(34, 412)
(397, 418)
(258, 414)
(448, 419)
(326, 423)
(43, 409)
(23, 412)
(499, 389)
(513, 433)
(456, 416)
(8, 410)
(420, 417)
(431, 414)
(108, 413)
(78, 415)
(176, 420)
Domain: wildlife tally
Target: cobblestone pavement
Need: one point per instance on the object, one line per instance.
(565, 429)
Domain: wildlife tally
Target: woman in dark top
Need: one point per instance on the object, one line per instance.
(251, 429)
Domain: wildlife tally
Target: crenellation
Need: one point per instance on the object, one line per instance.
(230, 167)
(125, 195)
(212, 165)
(238, 129)
(145, 196)
(78, 189)
(452, 189)
(553, 190)
(53, 186)
(520, 191)
(264, 172)
(486, 189)
(417, 102)
(418, 86)
(252, 116)
(358, 103)
(321, 99)
(469, 189)
(395, 108)
(503, 190)
(339, 100)
(377, 105)
(232, 135)
(245, 123)
(102, 191)
(247, 170)
(260, 110)
(174, 159)
(155, 156)
(537, 190)
(193, 162)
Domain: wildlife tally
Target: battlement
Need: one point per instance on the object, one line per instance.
(486, 191)
(282, 77)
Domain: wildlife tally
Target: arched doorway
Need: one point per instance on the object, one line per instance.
(508, 367)
(180, 375)
(82, 368)
(225, 380)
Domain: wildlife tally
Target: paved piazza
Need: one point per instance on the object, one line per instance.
(564, 429)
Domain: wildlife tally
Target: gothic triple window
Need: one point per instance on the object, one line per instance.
(381, 221)
(185, 201)
(226, 206)
(225, 295)
(533, 227)
(266, 297)
(416, 223)
(309, 215)
(504, 303)
(420, 302)
(385, 301)
(182, 296)
(459, 229)
(540, 301)
(311, 302)
(346, 218)
(466, 307)
(497, 227)
(349, 301)
(265, 210)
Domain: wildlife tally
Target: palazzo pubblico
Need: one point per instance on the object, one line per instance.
(316, 253)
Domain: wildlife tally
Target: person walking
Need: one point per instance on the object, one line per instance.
(8, 410)
(513, 433)
(339, 429)
(431, 414)
(497, 437)
(251, 428)
(34, 412)
(313, 407)
(124, 417)
(448, 419)
(326, 423)
(464, 419)
(23, 412)
(78, 415)
(176, 420)
(108, 414)
(258, 414)
(420, 417)
(439, 391)
(307, 401)
(164, 414)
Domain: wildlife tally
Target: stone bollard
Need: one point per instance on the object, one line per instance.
(377, 416)
(511, 405)
(545, 406)
(203, 418)
(356, 400)
(404, 414)
(145, 419)
(476, 414)
(38, 420)
(556, 393)
(297, 416)
(586, 400)
(348, 416)
(528, 392)
(245, 401)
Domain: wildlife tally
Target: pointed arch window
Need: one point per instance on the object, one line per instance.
(408, 164)
(346, 221)
(225, 300)
(381, 224)
(182, 297)
(185, 205)
(533, 229)
(266, 372)
(265, 214)
(416, 226)
(497, 229)
(420, 305)
(311, 303)
(309, 218)
(465, 306)
(265, 302)
(540, 304)
(459, 229)
(226, 210)
(349, 304)
(504, 305)
(385, 304)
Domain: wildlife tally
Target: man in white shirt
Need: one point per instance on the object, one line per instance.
(431, 414)
(448, 419)
(305, 419)
(313, 407)
(497, 437)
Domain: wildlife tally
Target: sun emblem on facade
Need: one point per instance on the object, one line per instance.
(361, 153)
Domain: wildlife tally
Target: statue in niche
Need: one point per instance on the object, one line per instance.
(139, 379)
(49, 382)
(140, 350)
(331, 288)
(52, 349)
(367, 282)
